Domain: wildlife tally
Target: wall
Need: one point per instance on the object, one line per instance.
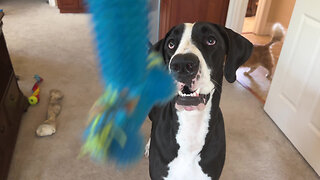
(280, 11)
(153, 20)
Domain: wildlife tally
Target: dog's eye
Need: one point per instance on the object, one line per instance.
(211, 41)
(171, 44)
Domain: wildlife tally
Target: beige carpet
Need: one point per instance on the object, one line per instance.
(59, 48)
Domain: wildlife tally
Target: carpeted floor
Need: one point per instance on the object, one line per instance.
(59, 48)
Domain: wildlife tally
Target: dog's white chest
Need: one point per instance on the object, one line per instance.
(193, 128)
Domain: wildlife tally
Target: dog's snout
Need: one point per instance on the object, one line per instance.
(185, 64)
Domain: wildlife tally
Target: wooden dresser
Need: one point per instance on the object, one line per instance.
(72, 6)
(173, 12)
(12, 105)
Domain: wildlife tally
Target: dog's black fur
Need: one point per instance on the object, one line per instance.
(164, 146)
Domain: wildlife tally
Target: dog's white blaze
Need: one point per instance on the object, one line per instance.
(193, 125)
(193, 128)
(186, 46)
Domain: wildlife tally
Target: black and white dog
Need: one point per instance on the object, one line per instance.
(188, 136)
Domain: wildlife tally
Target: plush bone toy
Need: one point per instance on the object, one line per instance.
(48, 127)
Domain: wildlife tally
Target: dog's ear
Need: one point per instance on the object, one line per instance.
(238, 50)
(158, 47)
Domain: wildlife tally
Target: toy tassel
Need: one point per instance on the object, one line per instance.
(134, 81)
(35, 97)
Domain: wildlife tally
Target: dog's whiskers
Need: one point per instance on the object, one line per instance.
(218, 90)
(216, 83)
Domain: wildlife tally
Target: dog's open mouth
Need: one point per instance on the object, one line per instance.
(190, 100)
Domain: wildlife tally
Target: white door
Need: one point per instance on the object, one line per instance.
(293, 101)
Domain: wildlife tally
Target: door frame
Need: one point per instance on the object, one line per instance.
(237, 12)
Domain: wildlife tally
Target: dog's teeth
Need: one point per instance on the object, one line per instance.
(194, 94)
(198, 91)
(180, 93)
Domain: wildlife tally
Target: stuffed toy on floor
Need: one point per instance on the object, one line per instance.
(48, 127)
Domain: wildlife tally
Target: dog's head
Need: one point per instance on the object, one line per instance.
(195, 54)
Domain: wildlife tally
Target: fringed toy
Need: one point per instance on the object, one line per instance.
(133, 82)
(35, 97)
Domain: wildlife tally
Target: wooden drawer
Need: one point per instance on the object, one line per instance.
(5, 66)
(4, 78)
(4, 161)
(12, 106)
(71, 6)
(11, 103)
(3, 126)
(6, 144)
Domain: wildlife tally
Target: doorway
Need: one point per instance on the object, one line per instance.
(260, 17)
(249, 20)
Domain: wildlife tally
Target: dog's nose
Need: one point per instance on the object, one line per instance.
(185, 65)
